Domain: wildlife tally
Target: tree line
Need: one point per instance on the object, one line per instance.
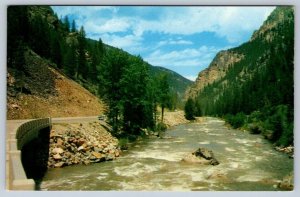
(121, 79)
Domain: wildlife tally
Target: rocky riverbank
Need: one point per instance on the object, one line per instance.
(82, 143)
(289, 150)
(176, 118)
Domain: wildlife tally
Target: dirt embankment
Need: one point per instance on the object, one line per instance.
(70, 100)
(81, 143)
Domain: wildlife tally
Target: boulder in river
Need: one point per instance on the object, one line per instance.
(201, 156)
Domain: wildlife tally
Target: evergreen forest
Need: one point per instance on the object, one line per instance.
(257, 93)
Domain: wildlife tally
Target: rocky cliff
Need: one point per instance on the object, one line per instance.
(216, 70)
(267, 34)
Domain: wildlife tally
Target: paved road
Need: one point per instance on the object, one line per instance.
(75, 119)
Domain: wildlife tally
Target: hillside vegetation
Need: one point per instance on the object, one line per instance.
(252, 86)
(46, 56)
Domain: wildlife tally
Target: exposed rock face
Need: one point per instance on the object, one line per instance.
(81, 144)
(201, 156)
(216, 70)
(225, 59)
(274, 20)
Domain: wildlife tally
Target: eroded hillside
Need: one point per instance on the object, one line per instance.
(42, 92)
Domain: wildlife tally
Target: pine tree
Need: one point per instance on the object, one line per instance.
(134, 96)
(55, 49)
(67, 23)
(82, 69)
(70, 63)
(17, 35)
(164, 94)
(111, 69)
(73, 29)
(189, 109)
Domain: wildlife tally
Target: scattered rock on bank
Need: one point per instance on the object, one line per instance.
(288, 150)
(81, 144)
(201, 156)
(287, 183)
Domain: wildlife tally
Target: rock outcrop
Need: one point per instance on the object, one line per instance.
(215, 71)
(224, 60)
(201, 156)
(81, 144)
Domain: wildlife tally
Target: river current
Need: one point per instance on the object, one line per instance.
(247, 163)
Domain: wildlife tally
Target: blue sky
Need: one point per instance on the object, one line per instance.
(183, 39)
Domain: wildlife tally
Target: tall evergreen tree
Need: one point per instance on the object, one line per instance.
(82, 69)
(17, 35)
(189, 109)
(67, 23)
(164, 94)
(70, 61)
(134, 96)
(73, 29)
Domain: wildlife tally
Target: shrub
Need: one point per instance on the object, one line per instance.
(236, 121)
(287, 137)
(256, 128)
(123, 143)
(161, 127)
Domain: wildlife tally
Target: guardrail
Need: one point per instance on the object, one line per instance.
(16, 176)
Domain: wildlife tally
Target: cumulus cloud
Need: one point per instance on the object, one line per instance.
(230, 22)
(190, 57)
(173, 42)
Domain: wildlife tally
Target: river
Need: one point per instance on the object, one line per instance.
(247, 163)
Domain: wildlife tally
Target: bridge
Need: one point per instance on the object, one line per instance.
(27, 149)
(19, 134)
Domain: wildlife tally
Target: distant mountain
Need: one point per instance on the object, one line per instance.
(177, 82)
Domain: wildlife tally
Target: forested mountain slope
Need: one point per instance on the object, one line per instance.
(256, 79)
(41, 48)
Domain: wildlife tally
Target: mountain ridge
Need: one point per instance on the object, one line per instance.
(255, 89)
(233, 55)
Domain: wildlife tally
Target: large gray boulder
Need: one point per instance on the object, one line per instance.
(201, 156)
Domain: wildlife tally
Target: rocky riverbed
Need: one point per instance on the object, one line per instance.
(81, 143)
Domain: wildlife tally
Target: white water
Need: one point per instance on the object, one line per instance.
(247, 162)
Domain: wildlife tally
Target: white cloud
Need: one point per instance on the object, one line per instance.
(173, 42)
(110, 26)
(133, 44)
(190, 57)
(83, 11)
(231, 22)
(191, 77)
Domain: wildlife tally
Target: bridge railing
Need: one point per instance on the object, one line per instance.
(22, 135)
(29, 130)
